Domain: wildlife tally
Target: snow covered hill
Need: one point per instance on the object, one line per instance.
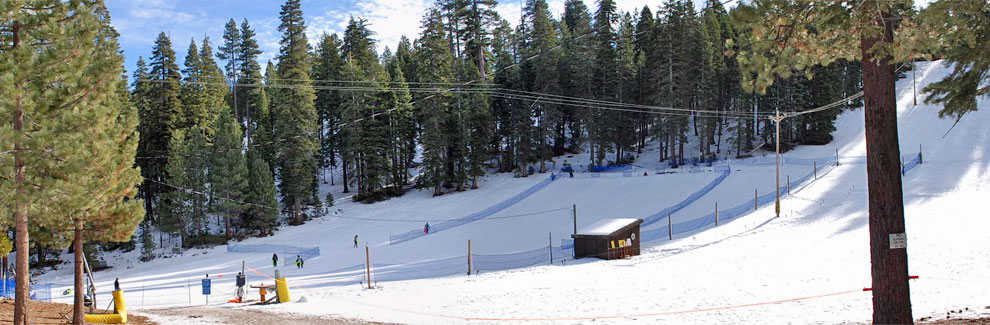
(808, 266)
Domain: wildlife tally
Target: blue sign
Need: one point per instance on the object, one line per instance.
(206, 286)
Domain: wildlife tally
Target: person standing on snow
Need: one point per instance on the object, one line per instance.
(426, 229)
(274, 259)
(355, 241)
(299, 262)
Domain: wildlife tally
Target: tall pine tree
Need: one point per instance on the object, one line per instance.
(294, 113)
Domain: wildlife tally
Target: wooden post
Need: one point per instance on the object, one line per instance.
(469, 257)
(367, 264)
(575, 218)
(670, 228)
(716, 213)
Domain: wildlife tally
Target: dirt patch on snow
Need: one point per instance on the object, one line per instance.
(247, 316)
(51, 313)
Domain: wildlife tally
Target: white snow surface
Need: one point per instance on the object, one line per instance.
(605, 226)
(810, 265)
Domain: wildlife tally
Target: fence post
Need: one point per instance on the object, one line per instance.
(469, 257)
(716, 213)
(816, 169)
(367, 264)
(788, 184)
(550, 240)
(836, 156)
(921, 157)
(189, 289)
(575, 218)
(756, 199)
(670, 228)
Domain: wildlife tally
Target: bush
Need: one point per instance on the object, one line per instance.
(203, 241)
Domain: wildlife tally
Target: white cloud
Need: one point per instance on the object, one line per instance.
(389, 19)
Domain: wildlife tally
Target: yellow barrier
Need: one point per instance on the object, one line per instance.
(119, 315)
(283, 290)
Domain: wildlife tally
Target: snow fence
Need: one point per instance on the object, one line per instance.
(39, 292)
(416, 233)
(287, 253)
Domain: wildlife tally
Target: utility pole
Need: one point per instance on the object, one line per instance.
(575, 218)
(914, 82)
(367, 264)
(777, 118)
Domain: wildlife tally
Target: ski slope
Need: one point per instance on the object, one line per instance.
(808, 266)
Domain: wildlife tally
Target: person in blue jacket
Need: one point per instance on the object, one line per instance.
(426, 229)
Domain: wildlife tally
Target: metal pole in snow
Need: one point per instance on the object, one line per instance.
(575, 218)
(716, 213)
(550, 238)
(670, 228)
(367, 264)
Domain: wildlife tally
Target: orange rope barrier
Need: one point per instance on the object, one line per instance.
(665, 313)
(602, 316)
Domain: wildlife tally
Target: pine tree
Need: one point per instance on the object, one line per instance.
(261, 212)
(294, 114)
(820, 34)
(403, 125)
(503, 109)
(575, 71)
(263, 136)
(202, 94)
(964, 27)
(192, 92)
(63, 75)
(249, 99)
(185, 206)
(328, 66)
(228, 51)
(366, 137)
(540, 74)
(228, 170)
(159, 121)
(434, 61)
(605, 77)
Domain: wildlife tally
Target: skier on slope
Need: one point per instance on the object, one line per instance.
(299, 262)
(426, 229)
(274, 259)
(355, 241)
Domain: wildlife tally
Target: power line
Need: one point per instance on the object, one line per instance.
(360, 218)
(460, 219)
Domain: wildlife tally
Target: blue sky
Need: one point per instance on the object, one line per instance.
(140, 21)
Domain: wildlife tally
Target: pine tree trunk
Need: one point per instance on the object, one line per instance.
(298, 209)
(891, 292)
(22, 286)
(77, 244)
(343, 162)
(228, 217)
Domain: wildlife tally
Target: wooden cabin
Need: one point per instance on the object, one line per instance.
(608, 239)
